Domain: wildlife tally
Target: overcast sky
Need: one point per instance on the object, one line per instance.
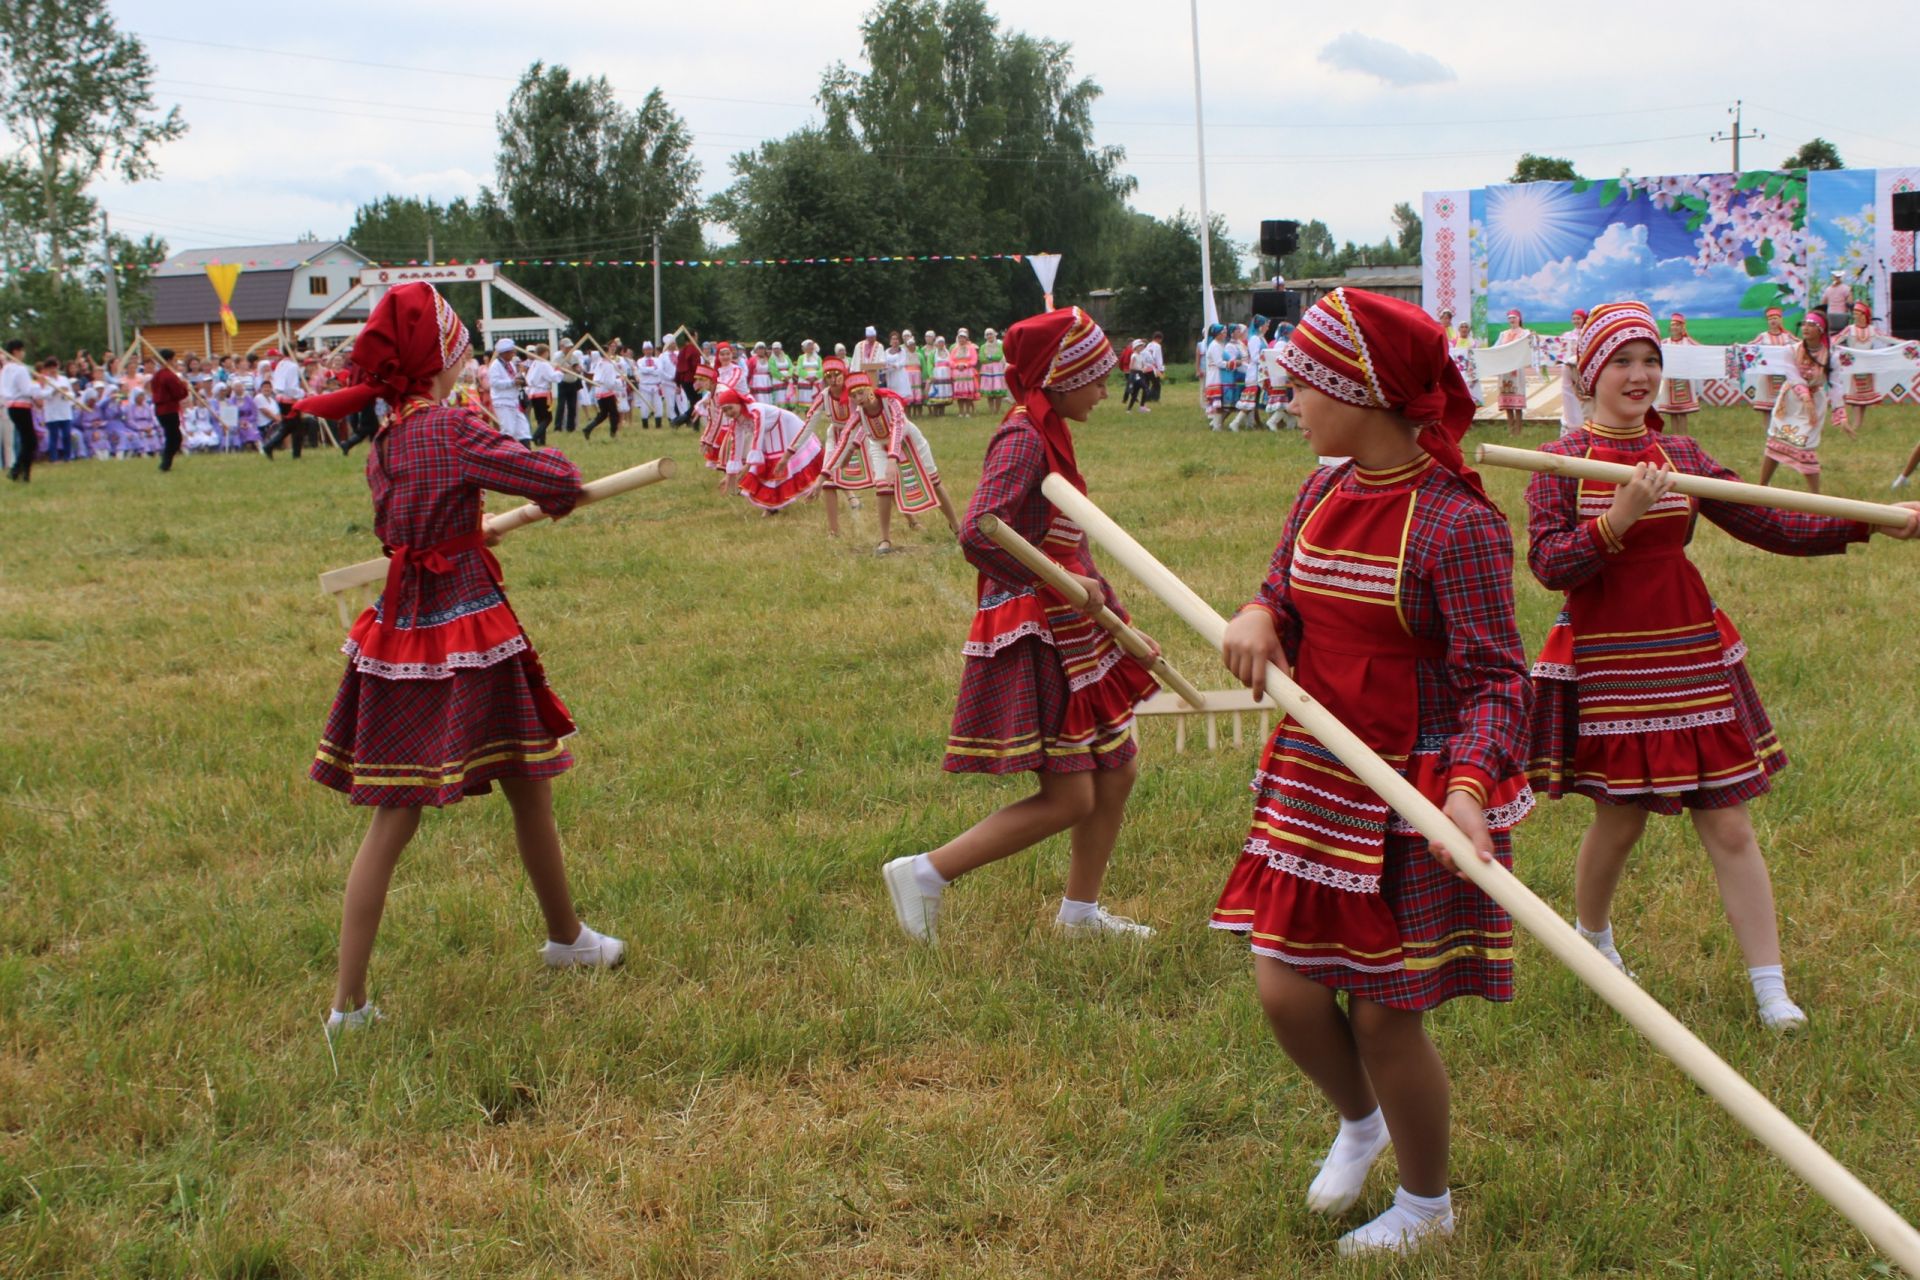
(1329, 112)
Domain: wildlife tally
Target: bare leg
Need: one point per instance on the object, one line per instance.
(953, 520)
(1856, 416)
(1767, 467)
(539, 840)
(1603, 857)
(1745, 889)
(1063, 801)
(1307, 1021)
(831, 498)
(1415, 1095)
(883, 509)
(1913, 461)
(366, 899)
(1094, 836)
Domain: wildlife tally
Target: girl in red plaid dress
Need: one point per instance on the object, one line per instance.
(1642, 699)
(1045, 689)
(1391, 599)
(443, 695)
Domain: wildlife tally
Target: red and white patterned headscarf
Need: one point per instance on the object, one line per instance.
(411, 337)
(1611, 326)
(1376, 352)
(1060, 350)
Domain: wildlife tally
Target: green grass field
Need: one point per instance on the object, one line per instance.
(777, 1085)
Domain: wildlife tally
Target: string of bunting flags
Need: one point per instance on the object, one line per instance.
(841, 260)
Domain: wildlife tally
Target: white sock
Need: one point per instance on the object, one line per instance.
(1425, 1208)
(1769, 984)
(1356, 1136)
(1601, 938)
(1072, 912)
(929, 880)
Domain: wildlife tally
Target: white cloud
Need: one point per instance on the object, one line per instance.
(1621, 265)
(1384, 60)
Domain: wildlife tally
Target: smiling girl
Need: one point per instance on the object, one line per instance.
(1642, 700)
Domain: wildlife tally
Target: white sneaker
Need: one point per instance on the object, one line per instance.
(1103, 923)
(1783, 1015)
(916, 911)
(1397, 1230)
(1343, 1174)
(1899, 482)
(340, 1022)
(588, 951)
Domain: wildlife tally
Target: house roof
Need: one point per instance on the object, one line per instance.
(262, 257)
(189, 299)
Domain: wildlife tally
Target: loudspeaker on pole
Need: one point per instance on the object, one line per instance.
(1280, 238)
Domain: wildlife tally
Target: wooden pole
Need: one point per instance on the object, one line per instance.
(1889, 1232)
(633, 388)
(190, 389)
(335, 581)
(1882, 514)
(593, 491)
(1076, 595)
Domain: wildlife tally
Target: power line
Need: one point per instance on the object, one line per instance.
(440, 71)
(275, 92)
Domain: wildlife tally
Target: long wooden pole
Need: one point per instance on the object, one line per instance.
(1888, 1231)
(1070, 589)
(1753, 495)
(633, 387)
(347, 577)
(191, 391)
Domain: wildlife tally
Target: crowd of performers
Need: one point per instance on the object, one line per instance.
(1389, 598)
(1813, 390)
(1242, 376)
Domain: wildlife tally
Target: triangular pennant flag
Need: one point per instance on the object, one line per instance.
(223, 275)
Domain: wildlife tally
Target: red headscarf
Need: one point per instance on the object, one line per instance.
(1061, 350)
(1378, 352)
(409, 339)
(728, 397)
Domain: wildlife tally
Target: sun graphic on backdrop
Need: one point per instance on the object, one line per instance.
(1533, 224)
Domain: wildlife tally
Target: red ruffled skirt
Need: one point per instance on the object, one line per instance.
(1663, 768)
(1411, 938)
(1044, 688)
(784, 478)
(432, 713)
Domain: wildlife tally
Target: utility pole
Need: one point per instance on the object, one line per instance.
(113, 286)
(657, 329)
(429, 248)
(1209, 310)
(1736, 136)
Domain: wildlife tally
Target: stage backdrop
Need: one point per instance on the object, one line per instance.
(1719, 247)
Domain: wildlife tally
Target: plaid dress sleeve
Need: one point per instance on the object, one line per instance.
(1563, 551)
(1486, 663)
(487, 459)
(1787, 533)
(1009, 488)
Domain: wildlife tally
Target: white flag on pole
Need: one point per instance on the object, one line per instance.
(1045, 266)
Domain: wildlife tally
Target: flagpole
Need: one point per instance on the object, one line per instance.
(1210, 310)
